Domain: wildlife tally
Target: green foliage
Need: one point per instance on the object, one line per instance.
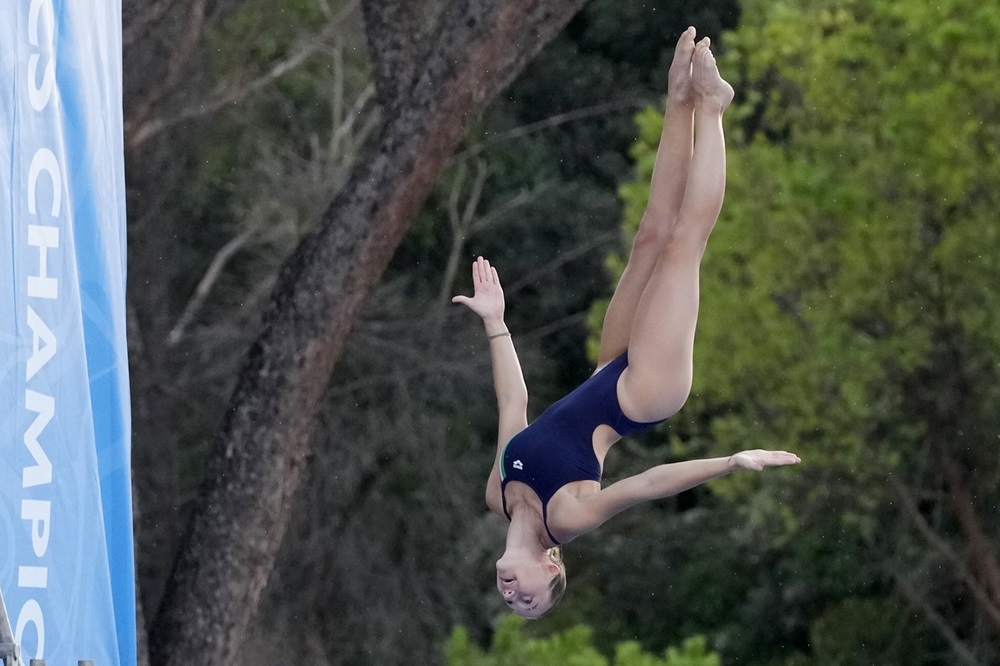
(849, 303)
(262, 31)
(512, 646)
(860, 240)
(864, 631)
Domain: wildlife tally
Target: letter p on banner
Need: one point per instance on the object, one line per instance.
(66, 564)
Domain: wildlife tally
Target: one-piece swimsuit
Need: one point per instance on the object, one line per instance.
(557, 448)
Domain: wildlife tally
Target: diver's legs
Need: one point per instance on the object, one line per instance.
(661, 345)
(670, 174)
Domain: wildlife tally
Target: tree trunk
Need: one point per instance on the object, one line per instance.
(254, 469)
(398, 44)
(981, 551)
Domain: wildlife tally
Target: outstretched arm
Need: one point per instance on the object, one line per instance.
(664, 481)
(512, 394)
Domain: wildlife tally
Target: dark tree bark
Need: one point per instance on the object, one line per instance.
(398, 44)
(981, 549)
(253, 472)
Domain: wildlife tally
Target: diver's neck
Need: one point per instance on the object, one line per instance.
(526, 530)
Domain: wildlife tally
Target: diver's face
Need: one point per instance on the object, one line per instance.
(524, 585)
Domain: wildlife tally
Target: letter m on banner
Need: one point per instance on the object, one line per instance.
(66, 563)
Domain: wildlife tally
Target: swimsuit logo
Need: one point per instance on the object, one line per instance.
(518, 465)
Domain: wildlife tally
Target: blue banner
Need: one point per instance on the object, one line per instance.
(66, 558)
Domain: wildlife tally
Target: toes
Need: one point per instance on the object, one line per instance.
(703, 53)
(685, 44)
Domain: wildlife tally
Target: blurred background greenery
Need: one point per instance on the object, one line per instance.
(849, 313)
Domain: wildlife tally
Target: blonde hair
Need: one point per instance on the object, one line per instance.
(557, 586)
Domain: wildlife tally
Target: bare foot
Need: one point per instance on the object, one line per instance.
(710, 90)
(679, 78)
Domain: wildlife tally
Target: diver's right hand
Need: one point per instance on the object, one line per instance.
(487, 299)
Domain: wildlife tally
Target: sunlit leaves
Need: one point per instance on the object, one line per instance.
(852, 275)
(512, 646)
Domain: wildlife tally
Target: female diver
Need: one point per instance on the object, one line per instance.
(546, 478)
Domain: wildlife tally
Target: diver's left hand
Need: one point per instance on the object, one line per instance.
(758, 459)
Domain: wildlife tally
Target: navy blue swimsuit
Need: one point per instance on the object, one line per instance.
(557, 448)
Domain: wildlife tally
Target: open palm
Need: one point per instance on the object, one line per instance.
(487, 299)
(758, 459)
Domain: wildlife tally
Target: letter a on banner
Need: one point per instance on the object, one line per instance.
(66, 565)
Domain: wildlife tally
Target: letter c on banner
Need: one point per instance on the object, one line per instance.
(31, 613)
(45, 160)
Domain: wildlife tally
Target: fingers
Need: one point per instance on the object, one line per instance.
(482, 272)
(773, 458)
(489, 273)
(758, 459)
(478, 270)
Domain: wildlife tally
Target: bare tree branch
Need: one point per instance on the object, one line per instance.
(425, 365)
(145, 126)
(461, 224)
(180, 55)
(981, 548)
(522, 198)
(360, 109)
(205, 285)
(394, 327)
(185, 47)
(562, 259)
(959, 648)
(558, 119)
(942, 547)
(355, 127)
(137, 17)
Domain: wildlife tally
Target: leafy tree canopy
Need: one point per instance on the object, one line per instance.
(512, 646)
(849, 313)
